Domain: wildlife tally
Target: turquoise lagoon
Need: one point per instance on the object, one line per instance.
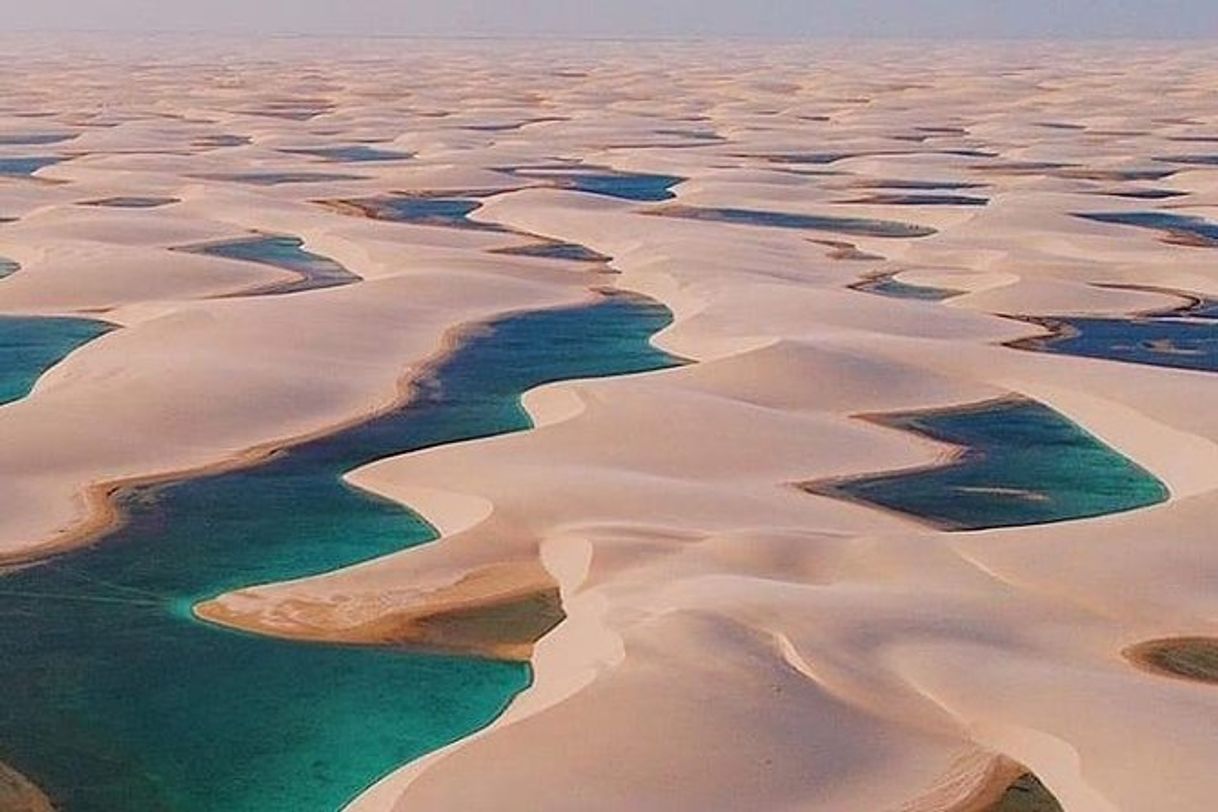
(118, 699)
(623, 185)
(316, 271)
(637, 186)
(1023, 464)
(426, 210)
(30, 345)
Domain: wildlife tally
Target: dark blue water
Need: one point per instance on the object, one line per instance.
(776, 219)
(921, 185)
(806, 157)
(26, 166)
(967, 153)
(1024, 167)
(1191, 160)
(454, 212)
(623, 185)
(1160, 221)
(1145, 194)
(131, 202)
(1182, 339)
(696, 135)
(34, 139)
(1119, 174)
(117, 699)
(449, 212)
(1025, 464)
(638, 186)
(315, 270)
(277, 178)
(513, 125)
(885, 199)
(223, 141)
(353, 154)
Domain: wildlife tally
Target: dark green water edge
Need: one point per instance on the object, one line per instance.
(1027, 794)
(888, 285)
(1192, 658)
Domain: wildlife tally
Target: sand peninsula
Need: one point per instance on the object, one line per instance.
(650, 609)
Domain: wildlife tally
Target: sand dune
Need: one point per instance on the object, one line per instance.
(730, 641)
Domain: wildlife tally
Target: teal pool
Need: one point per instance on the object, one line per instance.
(425, 210)
(30, 345)
(638, 186)
(1023, 464)
(118, 699)
(315, 270)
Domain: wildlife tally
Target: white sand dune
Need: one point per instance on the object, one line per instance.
(731, 642)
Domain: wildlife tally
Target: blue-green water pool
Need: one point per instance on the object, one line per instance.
(26, 166)
(1024, 464)
(316, 271)
(30, 345)
(118, 699)
(427, 210)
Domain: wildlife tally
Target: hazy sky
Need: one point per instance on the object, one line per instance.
(830, 18)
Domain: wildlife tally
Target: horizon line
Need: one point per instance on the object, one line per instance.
(624, 37)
